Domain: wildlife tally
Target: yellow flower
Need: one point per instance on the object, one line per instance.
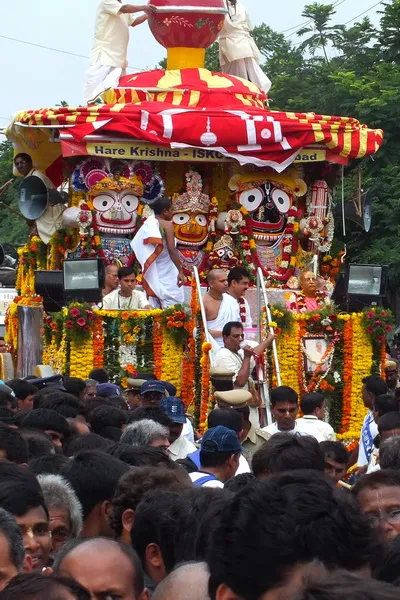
(272, 324)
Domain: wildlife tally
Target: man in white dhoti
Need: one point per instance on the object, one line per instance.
(111, 37)
(154, 247)
(220, 307)
(238, 52)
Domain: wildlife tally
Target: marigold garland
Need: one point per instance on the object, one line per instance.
(81, 358)
(188, 363)
(347, 375)
(98, 343)
(171, 362)
(158, 346)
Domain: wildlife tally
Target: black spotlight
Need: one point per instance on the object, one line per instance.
(359, 286)
(49, 285)
(83, 279)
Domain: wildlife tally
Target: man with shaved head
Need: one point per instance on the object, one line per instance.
(187, 582)
(220, 307)
(105, 567)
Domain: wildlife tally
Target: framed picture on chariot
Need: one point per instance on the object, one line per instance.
(316, 354)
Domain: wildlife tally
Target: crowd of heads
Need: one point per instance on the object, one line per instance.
(93, 506)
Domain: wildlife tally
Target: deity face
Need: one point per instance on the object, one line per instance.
(115, 211)
(268, 206)
(191, 228)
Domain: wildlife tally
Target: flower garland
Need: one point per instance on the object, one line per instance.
(289, 243)
(188, 363)
(378, 323)
(288, 349)
(157, 346)
(198, 369)
(174, 320)
(79, 321)
(171, 362)
(348, 336)
(362, 365)
(81, 357)
(297, 300)
(98, 343)
(205, 385)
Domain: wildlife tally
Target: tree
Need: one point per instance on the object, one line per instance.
(321, 33)
(13, 230)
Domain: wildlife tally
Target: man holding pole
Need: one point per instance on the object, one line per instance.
(240, 360)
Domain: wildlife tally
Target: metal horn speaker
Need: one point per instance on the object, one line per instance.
(34, 197)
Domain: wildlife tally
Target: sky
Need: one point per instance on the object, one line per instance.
(38, 77)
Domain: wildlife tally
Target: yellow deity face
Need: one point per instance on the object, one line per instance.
(191, 229)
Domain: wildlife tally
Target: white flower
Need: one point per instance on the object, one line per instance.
(284, 264)
(326, 322)
(336, 377)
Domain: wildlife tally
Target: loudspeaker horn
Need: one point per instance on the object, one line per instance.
(351, 214)
(35, 197)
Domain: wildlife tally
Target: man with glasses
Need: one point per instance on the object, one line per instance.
(239, 358)
(378, 496)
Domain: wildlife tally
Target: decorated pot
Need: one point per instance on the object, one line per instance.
(186, 23)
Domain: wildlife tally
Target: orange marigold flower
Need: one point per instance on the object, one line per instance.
(124, 315)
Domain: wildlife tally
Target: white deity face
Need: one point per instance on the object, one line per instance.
(115, 211)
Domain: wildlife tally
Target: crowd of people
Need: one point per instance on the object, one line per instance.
(107, 495)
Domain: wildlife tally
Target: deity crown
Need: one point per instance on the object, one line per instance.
(119, 184)
(193, 200)
(225, 241)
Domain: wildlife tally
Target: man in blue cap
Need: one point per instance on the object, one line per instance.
(180, 446)
(219, 457)
(152, 392)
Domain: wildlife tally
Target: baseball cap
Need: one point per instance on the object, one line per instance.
(152, 386)
(108, 389)
(174, 408)
(220, 439)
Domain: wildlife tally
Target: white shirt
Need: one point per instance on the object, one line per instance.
(231, 361)
(243, 466)
(180, 448)
(111, 35)
(114, 301)
(214, 483)
(369, 421)
(187, 431)
(273, 428)
(47, 182)
(311, 425)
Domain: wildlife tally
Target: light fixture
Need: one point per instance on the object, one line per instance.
(83, 279)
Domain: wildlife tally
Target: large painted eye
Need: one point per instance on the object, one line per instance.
(103, 202)
(201, 220)
(251, 199)
(181, 219)
(130, 203)
(281, 200)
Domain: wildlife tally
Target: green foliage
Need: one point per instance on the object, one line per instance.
(13, 229)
